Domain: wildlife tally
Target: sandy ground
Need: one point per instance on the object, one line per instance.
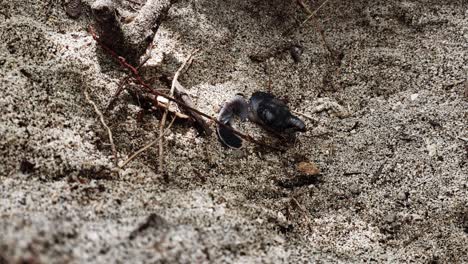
(392, 149)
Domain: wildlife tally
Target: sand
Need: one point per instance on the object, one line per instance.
(391, 141)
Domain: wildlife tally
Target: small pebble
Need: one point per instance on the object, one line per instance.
(390, 218)
(296, 52)
(402, 196)
(308, 168)
(414, 96)
(73, 8)
(354, 189)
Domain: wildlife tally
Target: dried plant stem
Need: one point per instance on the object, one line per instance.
(304, 212)
(163, 119)
(101, 118)
(122, 84)
(314, 13)
(316, 23)
(143, 149)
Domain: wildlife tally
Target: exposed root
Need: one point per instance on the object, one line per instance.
(314, 13)
(316, 24)
(163, 120)
(149, 145)
(124, 82)
(303, 211)
(101, 118)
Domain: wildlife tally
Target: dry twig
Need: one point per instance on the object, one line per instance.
(101, 118)
(316, 23)
(200, 124)
(143, 149)
(163, 119)
(314, 13)
(123, 82)
(303, 211)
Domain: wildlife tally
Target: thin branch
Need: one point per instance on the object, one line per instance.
(143, 149)
(163, 119)
(316, 24)
(150, 90)
(101, 118)
(314, 13)
(123, 82)
(303, 211)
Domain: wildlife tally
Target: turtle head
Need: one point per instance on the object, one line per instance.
(294, 124)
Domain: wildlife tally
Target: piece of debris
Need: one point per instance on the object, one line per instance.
(308, 168)
(26, 166)
(298, 181)
(414, 96)
(333, 108)
(129, 40)
(296, 52)
(431, 149)
(152, 221)
(264, 109)
(163, 103)
(73, 8)
(307, 174)
(466, 89)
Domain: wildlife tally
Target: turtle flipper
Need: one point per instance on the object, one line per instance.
(228, 138)
(234, 107)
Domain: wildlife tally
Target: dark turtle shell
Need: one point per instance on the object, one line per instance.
(273, 114)
(263, 109)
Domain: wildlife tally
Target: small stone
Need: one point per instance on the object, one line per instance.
(414, 96)
(390, 218)
(308, 168)
(402, 196)
(417, 217)
(73, 8)
(432, 149)
(354, 189)
(296, 52)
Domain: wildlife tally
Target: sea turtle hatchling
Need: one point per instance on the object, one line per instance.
(264, 109)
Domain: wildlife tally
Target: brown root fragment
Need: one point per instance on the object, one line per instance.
(147, 146)
(163, 120)
(200, 123)
(316, 23)
(103, 122)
